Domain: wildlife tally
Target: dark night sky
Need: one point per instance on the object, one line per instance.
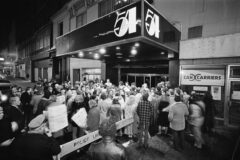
(28, 15)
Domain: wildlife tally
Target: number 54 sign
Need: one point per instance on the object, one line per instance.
(152, 23)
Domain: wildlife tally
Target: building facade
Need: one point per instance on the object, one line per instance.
(35, 55)
(96, 32)
(209, 51)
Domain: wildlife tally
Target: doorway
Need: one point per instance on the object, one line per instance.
(234, 95)
(139, 78)
(76, 75)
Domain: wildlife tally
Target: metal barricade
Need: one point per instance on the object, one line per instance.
(75, 144)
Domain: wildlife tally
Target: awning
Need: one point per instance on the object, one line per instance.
(137, 26)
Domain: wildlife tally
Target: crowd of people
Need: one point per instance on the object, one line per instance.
(157, 110)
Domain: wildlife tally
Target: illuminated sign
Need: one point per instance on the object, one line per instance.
(126, 22)
(202, 77)
(152, 23)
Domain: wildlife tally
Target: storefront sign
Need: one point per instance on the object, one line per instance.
(202, 77)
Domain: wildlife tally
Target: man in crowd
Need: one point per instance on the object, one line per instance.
(37, 144)
(107, 148)
(144, 111)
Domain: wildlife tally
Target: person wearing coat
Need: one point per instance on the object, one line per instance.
(93, 117)
(107, 148)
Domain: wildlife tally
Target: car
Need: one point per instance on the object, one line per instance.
(5, 86)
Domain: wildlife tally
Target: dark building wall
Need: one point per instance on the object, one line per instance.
(174, 72)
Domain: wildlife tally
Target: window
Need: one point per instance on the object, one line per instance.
(81, 19)
(195, 32)
(105, 7)
(41, 41)
(121, 3)
(60, 28)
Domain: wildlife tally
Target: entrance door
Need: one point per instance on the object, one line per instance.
(76, 75)
(45, 73)
(234, 95)
(234, 103)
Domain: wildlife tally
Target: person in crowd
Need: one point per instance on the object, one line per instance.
(196, 120)
(103, 106)
(144, 111)
(43, 103)
(115, 109)
(177, 115)
(93, 117)
(13, 92)
(38, 94)
(163, 116)
(107, 148)
(209, 113)
(15, 114)
(76, 106)
(7, 129)
(155, 101)
(130, 110)
(26, 98)
(37, 144)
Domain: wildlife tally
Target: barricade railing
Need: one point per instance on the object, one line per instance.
(78, 143)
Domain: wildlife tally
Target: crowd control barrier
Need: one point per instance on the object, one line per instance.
(75, 144)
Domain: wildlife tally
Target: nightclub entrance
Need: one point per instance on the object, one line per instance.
(139, 78)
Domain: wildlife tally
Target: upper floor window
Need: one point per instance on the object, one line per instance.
(106, 7)
(121, 3)
(60, 28)
(81, 19)
(195, 32)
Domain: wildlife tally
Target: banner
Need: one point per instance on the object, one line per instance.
(202, 77)
(57, 117)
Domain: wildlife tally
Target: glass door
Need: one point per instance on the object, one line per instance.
(234, 103)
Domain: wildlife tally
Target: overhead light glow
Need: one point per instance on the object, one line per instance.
(133, 51)
(102, 50)
(117, 48)
(136, 44)
(1, 59)
(96, 56)
(119, 54)
(90, 52)
(127, 60)
(162, 53)
(80, 54)
(119, 57)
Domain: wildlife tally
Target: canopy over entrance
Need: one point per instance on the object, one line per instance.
(136, 32)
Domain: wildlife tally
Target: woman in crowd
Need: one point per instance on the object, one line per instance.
(130, 110)
(196, 120)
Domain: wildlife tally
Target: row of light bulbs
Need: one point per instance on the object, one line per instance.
(103, 51)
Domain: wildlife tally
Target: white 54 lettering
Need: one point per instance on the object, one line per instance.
(152, 23)
(126, 22)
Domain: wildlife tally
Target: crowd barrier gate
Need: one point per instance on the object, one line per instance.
(75, 144)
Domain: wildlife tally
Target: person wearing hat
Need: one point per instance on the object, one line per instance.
(107, 148)
(93, 117)
(37, 144)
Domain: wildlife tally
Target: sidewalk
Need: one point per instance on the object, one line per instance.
(161, 148)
